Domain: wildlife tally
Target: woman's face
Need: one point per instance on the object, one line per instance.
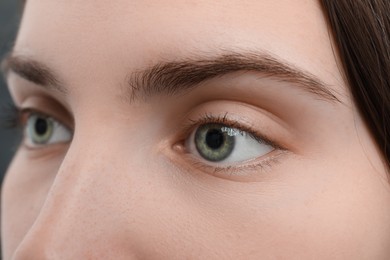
(188, 129)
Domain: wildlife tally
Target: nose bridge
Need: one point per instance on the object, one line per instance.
(77, 206)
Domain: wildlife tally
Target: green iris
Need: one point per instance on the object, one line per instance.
(213, 143)
(39, 129)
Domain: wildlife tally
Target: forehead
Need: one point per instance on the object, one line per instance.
(124, 34)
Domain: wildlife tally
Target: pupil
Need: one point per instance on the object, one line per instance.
(215, 139)
(41, 126)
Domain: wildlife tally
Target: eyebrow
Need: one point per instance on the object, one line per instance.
(33, 71)
(175, 77)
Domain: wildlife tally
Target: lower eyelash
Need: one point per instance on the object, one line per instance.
(246, 168)
(239, 170)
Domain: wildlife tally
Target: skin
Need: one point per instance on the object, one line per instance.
(134, 191)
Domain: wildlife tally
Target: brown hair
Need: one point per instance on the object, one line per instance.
(361, 31)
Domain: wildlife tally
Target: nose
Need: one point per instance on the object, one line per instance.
(77, 219)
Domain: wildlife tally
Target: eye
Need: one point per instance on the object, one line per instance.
(42, 130)
(216, 142)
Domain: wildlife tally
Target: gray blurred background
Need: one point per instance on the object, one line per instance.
(9, 19)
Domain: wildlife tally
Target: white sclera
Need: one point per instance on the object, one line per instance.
(60, 133)
(246, 146)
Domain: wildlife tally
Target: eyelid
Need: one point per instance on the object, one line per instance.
(225, 119)
(26, 112)
(28, 96)
(241, 115)
(254, 119)
(56, 137)
(49, 107)
(240, 170)
(243, 170)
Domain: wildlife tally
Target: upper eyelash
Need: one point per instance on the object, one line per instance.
(239, 169)
(224, 119)
(11, 117)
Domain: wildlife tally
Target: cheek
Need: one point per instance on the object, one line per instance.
(305, 208)
(24, 191)
(308, 209)
(338, 208)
